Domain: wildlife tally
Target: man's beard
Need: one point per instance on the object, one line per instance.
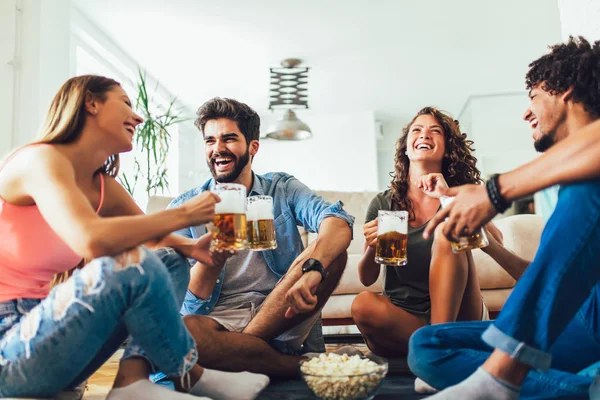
(545, 142)
(238, 166)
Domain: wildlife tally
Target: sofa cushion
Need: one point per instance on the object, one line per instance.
(339, 306)
(350, 283)
(355, 204)
(521, 234)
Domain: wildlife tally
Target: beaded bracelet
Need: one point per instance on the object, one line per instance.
(499, 202)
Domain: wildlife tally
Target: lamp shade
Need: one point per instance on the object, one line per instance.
(289, 127)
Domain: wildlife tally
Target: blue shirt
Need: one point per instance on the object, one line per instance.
(294, 204)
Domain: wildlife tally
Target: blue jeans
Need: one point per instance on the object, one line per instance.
(558, 282)
(446, 354)
(54, 344)
(556, 294)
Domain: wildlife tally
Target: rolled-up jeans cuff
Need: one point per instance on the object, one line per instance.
(533, 357)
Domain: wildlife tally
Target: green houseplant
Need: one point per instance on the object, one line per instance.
(151, 141)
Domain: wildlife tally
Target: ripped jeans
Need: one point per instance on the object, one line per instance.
(55, 344)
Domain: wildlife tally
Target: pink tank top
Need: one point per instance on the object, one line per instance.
(31, 252)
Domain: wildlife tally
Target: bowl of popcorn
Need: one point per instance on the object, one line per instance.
(343, 377)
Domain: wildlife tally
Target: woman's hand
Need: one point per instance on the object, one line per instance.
(433, 185)
(370, 232)
(201, 209)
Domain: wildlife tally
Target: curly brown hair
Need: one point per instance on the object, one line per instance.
(575, 64)
(458, 165)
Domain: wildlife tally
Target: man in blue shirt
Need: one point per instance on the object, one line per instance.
(246, 310)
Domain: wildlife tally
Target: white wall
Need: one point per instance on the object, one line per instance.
(37, 32)
(193, 170)
(502, 139)
(341, 155)
(580, 17)
(7, 29)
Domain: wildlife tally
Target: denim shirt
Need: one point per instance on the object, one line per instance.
(294, 204)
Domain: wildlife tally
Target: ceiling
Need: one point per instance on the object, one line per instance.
(392, 57)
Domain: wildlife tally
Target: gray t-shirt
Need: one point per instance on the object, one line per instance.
(407, 287)
(247, 279)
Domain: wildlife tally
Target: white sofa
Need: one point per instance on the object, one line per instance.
(521, 235)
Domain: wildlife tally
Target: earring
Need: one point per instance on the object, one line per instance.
(95, 111)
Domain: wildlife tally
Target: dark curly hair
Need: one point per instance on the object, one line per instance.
(244, 116)
(458, 165)
(573, 64)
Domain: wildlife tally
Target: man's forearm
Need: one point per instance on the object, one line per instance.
(334, 238)
(573, 159)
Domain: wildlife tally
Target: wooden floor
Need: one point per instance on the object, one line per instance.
(100, 383)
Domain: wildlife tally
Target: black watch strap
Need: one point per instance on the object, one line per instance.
(313, 264)
(499, 202)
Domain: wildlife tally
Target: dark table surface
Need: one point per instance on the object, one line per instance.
(393, 387)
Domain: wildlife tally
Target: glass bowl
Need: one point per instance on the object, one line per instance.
(336, 385)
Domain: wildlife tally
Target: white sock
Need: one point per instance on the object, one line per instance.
(423, 387)
(480, 385)
(221, 385)
(146, 390)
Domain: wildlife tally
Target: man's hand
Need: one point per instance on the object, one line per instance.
(470, 210)
(200, 252)
(433, 185)
(370, 232)
(301, 296)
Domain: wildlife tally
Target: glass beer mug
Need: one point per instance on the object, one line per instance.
(392, 238)
(230, 230)
(261, 229)
(477, 240)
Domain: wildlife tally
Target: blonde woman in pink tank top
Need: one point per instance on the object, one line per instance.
(59, 204)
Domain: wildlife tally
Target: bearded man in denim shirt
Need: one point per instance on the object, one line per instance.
(246, 310)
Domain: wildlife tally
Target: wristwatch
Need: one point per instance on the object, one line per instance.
(313, 264)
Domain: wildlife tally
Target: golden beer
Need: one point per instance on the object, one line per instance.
(477, 240)
(261, 235)
(391, 249)
(261, 228)
(392, 238)
(230, 231)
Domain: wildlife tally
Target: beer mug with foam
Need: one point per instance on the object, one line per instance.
(392, 238)
(261, 229)
(477, 240)
(230, 230)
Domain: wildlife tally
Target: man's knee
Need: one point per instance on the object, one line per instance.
(199, 324)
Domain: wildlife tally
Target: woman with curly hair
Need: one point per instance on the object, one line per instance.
(436, 285)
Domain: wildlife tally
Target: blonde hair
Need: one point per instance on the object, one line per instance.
(64, 124)
(66, 116)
